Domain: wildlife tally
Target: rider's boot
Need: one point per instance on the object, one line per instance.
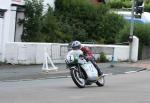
(100, 73)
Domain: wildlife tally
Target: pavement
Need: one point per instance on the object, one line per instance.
(10, 72)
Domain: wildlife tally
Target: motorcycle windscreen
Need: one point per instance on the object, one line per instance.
(90, 71)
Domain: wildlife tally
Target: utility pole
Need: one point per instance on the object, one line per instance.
(131, 31)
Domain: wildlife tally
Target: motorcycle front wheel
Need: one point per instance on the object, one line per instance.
(80, 82)
(101, 81)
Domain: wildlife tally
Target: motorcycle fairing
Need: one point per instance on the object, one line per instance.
(90, 70)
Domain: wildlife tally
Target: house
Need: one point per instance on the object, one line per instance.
(11, 12)
(8, 9)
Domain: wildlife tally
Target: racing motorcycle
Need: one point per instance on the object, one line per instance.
(82, 71)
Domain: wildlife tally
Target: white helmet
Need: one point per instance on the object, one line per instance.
(76, 45)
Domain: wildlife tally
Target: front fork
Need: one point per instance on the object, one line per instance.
(81, 75)
(78, 69)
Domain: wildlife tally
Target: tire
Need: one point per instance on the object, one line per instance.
(101, 81)
(80, 82)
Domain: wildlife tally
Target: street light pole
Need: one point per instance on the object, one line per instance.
(131, 31)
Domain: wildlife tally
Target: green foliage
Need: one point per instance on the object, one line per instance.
(127, 4)
(102, 58)
(84, 21)
(71, 20)
(142, 31)
(147, 7)
(51, 27)
(112, 24)
(40, 27)
(79, 16)
(33, 20)
(147, 1)
(123, 34)
(118, 4)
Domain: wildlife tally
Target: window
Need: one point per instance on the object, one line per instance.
(103, 1)
(2, 11)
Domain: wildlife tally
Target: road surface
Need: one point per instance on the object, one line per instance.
(121, 88)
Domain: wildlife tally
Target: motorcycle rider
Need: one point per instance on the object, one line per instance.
(87, 53)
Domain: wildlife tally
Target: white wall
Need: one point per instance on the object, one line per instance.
(121, 53)
(19, 27)
(134, 51)
(33, 53)
(10, 19)
(1, 36)
(4, 4)
(12, 24)
(5, 33)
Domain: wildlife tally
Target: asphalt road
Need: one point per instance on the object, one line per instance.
(122, 88)
(32, 72)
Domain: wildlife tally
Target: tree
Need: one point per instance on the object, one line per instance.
(41, 26)
(33, 20)
(71, 20)
(51, 28)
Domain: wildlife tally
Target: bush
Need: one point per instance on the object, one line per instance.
(127, 4)
(118, 4)
(102, 58)
(51, 28)
(71, 20)
(147, 7)
(112, 24)
(147, 1)
(86, 21)
(142, 31)
(81, 18)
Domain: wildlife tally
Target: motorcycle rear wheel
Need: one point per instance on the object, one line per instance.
(101, 81)
(80, 82)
